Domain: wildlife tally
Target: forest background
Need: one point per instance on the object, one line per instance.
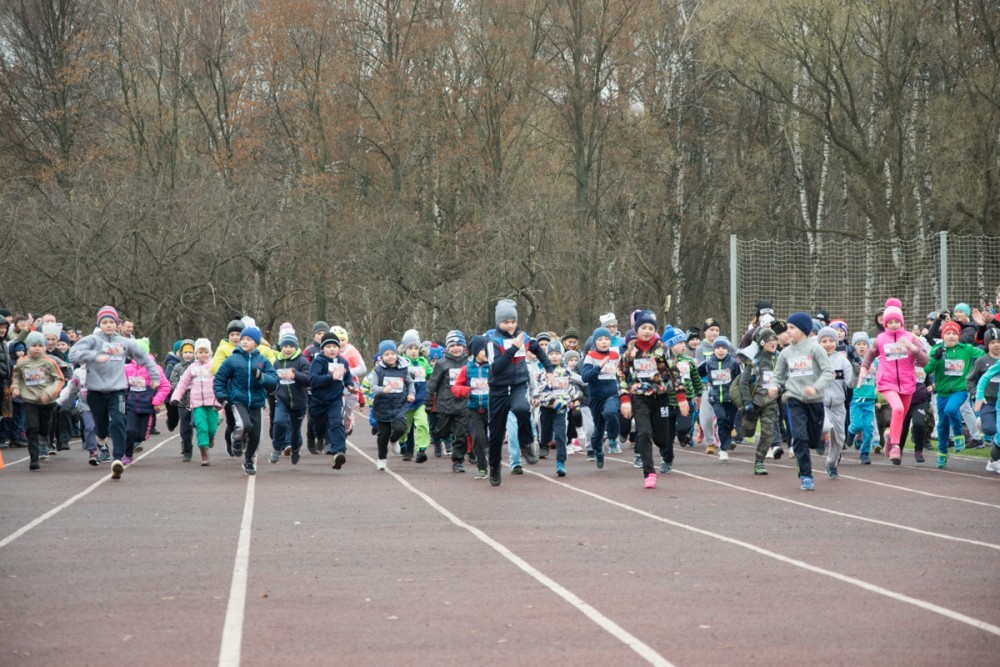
(392, 164)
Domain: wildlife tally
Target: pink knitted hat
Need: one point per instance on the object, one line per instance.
(893, 311)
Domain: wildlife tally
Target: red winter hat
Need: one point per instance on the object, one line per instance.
(951, 326)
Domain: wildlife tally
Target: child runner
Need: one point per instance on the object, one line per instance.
(226, 347)
(719, 371)
(37, 382)
(899, 353)
(647, 379)
(834, 399)
(196, 384)
(863, 404)
(452, 415)
(105, 352)
(600, 372)
(142, 402)
(472, 384)
(555, 393)
(392, 389)
(508, 382)
(754, 382)
(75, 391)
(416, 413)
(950, 364)
(988, 408)
(677, 344)
(243, 380)
(183, 407)
(803, 371)
(291, 396)
(329, 379)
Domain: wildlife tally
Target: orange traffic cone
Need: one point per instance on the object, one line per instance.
(1, 460)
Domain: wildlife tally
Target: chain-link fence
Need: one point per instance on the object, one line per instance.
(852, 278)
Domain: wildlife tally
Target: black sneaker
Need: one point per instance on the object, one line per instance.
(778, 452)
(295, 456)
(35, 465)
(472, 457)
(516, 470)
(421, 455)
(918, 456)
(407, 455)
(311, 444)
(105, 455)
(457, 467)
(437, 450)
(248, 467)
(339, 459)
(94, 461)
(494, 475)
(599, 461)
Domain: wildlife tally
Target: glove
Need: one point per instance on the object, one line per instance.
(258, 374)
(750, 411)
(939, 353)
(174, 402)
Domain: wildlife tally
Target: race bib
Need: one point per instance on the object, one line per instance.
(201, 373)
(684, 367)
(895, 352)
(766, 376)
(995, 379)
(419, 374)
(480, 386)
(645, 367)
(722, 376)
(800, 366)
(286, 376)
(560, 384)
(394, 385)
(137, 383)
(509, 343)
(608, 371)
(115, 351)
(453, 375)
(33, 377)
(664, 411)
(334, 366)
(954, 367)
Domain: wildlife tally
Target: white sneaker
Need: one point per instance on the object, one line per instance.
(396, 449)
(380, 464)
(770, 452)
(723, 455)
(993, 466)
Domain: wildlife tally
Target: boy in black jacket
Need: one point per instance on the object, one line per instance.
(291, 398)
(509, 382)
(329, 378)
(451, 423)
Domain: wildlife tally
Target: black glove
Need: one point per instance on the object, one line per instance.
(175, 402)
(839, 375)
(939, 353)
(258, 374)
(750, 412)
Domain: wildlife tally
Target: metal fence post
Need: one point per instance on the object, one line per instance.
(944, 269)
(733, 285)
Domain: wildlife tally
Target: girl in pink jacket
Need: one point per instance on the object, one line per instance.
(142, 402)
(899, 353)
(197, 380)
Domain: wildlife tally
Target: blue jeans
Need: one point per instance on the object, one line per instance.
(949, 418)
(605, 412)
(328, 419)
(862, 419)
(988, 418)
(553, 427)
(287, 426)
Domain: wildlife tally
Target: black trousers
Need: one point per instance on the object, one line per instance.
(504, 400)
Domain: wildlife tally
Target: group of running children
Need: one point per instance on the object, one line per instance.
(797, 381)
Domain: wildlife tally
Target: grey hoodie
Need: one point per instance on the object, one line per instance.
(110, 375)
(801, 365)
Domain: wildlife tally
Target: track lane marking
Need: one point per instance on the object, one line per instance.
(232, 631)
(874, 588)
(644, 651)
(55, 510)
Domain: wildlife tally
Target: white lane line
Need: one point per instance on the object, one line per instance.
(7, 464)
(856, 517)
(644, 651)
(870, 481)
(232, 632)
(55, 510)
(922, 604)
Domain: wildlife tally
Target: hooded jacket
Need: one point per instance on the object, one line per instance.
(390, 386)
(109, 375)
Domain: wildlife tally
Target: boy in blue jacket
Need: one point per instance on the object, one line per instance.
(392, 389)
(329, 377)
(243, 381)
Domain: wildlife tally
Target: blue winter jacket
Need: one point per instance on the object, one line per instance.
(234, 381)
(324, 388)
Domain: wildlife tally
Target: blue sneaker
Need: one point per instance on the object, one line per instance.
(866, 459)
(807, 484)
(560, 469)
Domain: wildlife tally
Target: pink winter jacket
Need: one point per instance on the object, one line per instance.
(198, 378)
(897, 365)
(140, 389)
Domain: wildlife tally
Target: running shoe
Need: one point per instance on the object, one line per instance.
(637, 461)
(650, 482)
(723, 455)
(457, 467)
(380, 464)
(516, 470)
(918, 456)
(275, 455)
(560, 469)
(895, 455)
(117, 468)
(339, 459)
(942, 461)
(993, 466)
(665, 468)
(248, 467)
(94, 461)
(807, 484)
(759, 468)
(421, 455)
(831, 471)
(865, 459)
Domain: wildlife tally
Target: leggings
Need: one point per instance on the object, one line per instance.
(900, 404)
